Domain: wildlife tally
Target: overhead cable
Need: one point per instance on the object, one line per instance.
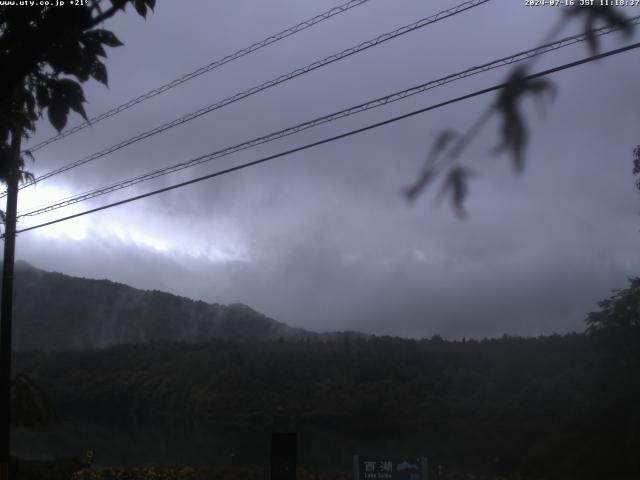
(264, 86)
(378, 102)
(202, 70)
(336, 137)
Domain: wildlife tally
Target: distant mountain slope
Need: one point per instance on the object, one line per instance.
(53, 311)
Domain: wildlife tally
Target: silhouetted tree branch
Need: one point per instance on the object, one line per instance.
(46, 54)
(444, 157)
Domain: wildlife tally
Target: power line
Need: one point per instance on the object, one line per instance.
(271, 83)
(378, 102)
(336, 137)
(202, 70)
(325, 119)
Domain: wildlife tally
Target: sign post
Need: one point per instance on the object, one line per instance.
(283, 456)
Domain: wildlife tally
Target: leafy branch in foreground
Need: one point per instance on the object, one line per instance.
(46, 53)
(443, 158)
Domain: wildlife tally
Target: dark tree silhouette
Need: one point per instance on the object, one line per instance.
(45, 54)
(615, 331)
(444, 158)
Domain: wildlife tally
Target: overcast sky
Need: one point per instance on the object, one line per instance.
(323, 239)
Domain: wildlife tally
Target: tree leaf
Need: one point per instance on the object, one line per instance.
(58, 115)
(429, 171)
(68, 93)
(595, 14)
(456, 184)
(106, 37)
(42, 95)
(141, 7)
(79, 108)
(514, 130)
(93, 44)
(119, 4)
(30, 103)
(71, 59)
(99, 72)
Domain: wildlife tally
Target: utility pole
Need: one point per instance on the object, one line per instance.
(6, 309)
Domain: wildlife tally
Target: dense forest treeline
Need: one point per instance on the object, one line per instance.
(561, 406)
(501, 406)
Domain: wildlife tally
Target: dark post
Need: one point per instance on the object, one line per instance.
(6, 310)
(283, 456)
(356, 467)
(424, 464)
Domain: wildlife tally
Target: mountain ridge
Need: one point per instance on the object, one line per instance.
(55, 311)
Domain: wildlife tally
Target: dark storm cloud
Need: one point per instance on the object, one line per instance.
(324, 239)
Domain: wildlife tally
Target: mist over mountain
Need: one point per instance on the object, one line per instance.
(53, 311)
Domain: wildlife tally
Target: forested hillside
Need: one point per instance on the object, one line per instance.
(500, 406)
(548, 407)
(53, 311)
